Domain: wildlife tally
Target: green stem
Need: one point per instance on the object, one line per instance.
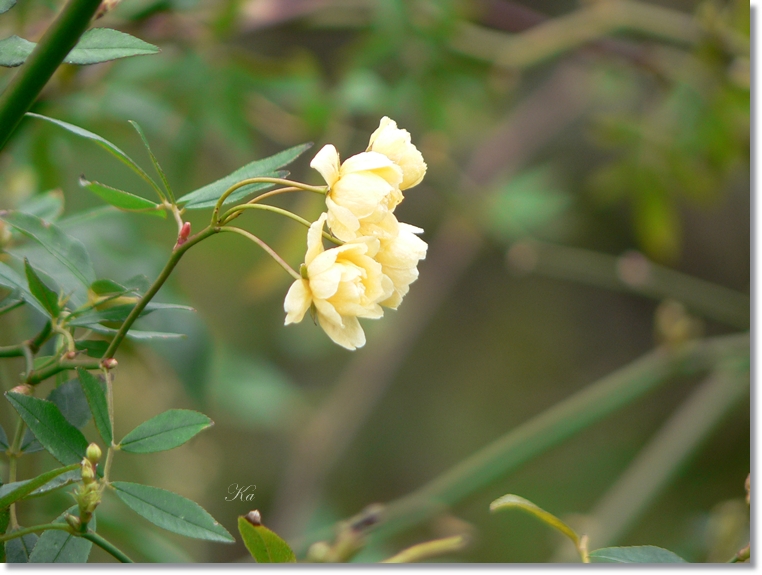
(165, 273)
(60, 38)
(36, 529)
(13, 454)
(265, 247)
(44, 373)
(11, 306)
(106, 546)
(233, 212)
(33, 344)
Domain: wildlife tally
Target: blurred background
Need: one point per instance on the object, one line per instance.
(569, 144)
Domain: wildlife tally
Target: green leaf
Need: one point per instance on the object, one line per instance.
(14, 51)
(137, 334)
(18, 550)
(154, 161)
(71, 401)
(46, 296)
(47, 206)
(208, 195)
(64, 441)
(11, 280)
(171, 511)
(123, 200)
(93, 347)
(57, 546)
(635, 554)
(5, 519)
(104, 44)
(264, 545)
(4, 445)
(67, 250)
(102, 142)
(107, 287)
(95, 46)
(15, 491)
(6, 5)
(96, 398)
(57, 482)
(10, 302)
(119, 313)
(512, 501)
(165, 431)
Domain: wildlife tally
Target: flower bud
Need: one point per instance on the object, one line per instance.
(254, 517)
(93, 453)
(319, 552)
(88, 472)
(23, 389)
(183, 235)
(73, 522)
(109, 363)
(70, 354)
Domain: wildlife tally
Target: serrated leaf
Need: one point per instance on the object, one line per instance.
(47, 206)
(514, 501)
(96, 398)
(264, 545)
(208, 195)
(70, 252)
(18, 550)
(71, 401)
(123, 200)
(635, 554)
(171, 511)
(59, 437)
(137, 334)
(18, 490)
(104, 44)
(6, 5)
(14, 51)
(154, 161)
(165, 431)
(119, 313)
(55, 546)
(11, 280)
(102, 142)
(46, 296)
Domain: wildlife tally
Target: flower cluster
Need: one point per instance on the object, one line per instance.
(378, 257)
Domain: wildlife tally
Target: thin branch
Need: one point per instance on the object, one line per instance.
(107, 546)
(271, 252)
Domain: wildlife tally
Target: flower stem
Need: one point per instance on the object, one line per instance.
(265, 247)
(107, 546)
(234, 212)
(60, 38)
(173, 260)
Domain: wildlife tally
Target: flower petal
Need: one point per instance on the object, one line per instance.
(327, 162)
(350, 335)
(297, 302)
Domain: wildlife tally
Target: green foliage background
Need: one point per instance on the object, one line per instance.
(634, 141)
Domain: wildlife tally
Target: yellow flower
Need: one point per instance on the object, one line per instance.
(360, 192)
(342, 283)
(399, 259)
(395, 144)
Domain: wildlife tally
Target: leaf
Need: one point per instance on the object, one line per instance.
(137, 334)
(5, 519)
(57, 546)
(4, 445)
(96, 398)
(15, 491)
(171, 511)
(18, 550)
(123, 200)
(154, 161)
(635, 554)
(119, 313)
(511, 501)
(47, 206)
(70, 399)
(67, 250)
(165, 431)
(95, 46)
(64, 441)
(6, 5)
(93, 347)
(104, 44)
(208, 195)
(264, 545)
(14, 51)
(57, 482)
(46, 296)
(102, 142)
(10, 302)
(10, 279)
(107, 287)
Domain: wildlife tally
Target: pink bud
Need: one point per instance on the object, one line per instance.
(109, 363)
(182, 237)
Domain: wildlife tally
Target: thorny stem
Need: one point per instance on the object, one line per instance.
(265, 247)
